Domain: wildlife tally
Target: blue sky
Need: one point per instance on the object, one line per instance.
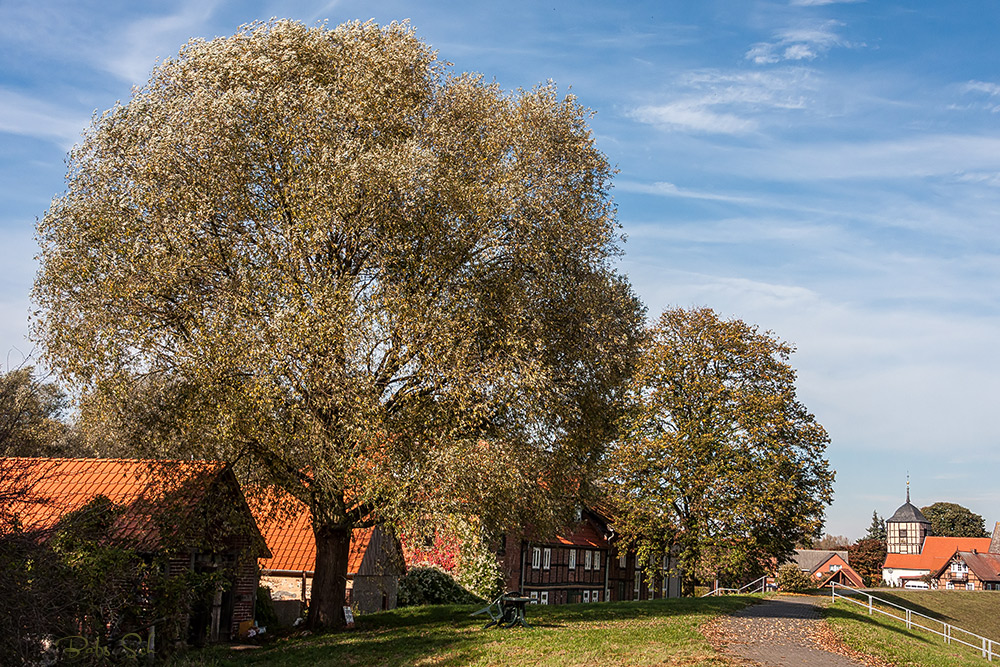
(827, 170)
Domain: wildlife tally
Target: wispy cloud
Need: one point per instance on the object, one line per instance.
(664, 189)
(145, 40)
(800, 43)
(29, 116)
(727, 102)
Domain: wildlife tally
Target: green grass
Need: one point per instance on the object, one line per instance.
(890, 640)
(654, 632)
(975, 611)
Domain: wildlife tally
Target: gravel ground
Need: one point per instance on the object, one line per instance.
(783, 631)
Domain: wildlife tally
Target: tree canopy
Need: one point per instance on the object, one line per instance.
(953, 520)
(31, 416)
(718, 457)
(328, 259)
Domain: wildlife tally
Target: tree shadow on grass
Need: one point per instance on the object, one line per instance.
(844, 613)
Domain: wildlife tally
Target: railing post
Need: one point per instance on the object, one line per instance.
(947, 633)
(869, 604)
(908, 625)
(833, 592)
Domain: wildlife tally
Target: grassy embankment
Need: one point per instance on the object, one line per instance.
(624, 633)
(977, 612)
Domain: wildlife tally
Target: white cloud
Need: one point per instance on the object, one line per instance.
(664, 189)
(29, 116)
(724, 103)
(693, 115)
(800, 43)
(145, 40)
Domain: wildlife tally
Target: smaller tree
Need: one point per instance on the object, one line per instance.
(793, 580)
(867, 556)
(876, 531)
(31, 416)
(831, 542)
(718, 458)
(953, 520)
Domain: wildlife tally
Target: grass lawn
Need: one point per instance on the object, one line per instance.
(890, 640)
(654, 632)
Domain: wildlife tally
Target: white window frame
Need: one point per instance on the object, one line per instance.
(543, 598)
(534, 597)
(588, 559)
(950, 585)
(536, 558)
(597, 560)
(970, 586)
(623, 561)
(595, 596)
(572, 559)
(638, 583)
(547, 559)
(586, 596)
(959, 566)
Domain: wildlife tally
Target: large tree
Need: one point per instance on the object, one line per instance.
(954, 520)
(719, 458)
(321, 255)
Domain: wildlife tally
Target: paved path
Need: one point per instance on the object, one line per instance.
(781, 631)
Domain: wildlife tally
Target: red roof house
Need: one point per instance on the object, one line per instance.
(192, 512)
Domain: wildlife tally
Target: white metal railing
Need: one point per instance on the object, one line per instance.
(754, 586)
(951, 634)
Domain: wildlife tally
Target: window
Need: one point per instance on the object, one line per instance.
(572, 559)
(595, 596)
(547, 559)
(622, 560)
(544, 599)
(586, 596)
(536, 558)
(970, 586)
(950, 586)
(534, 597)
(588, 559)
(638, 576)
(665, 582)
(666, 561)
(959, 566)
(834, 568)
(597, 560)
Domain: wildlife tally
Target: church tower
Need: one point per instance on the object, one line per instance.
(907, 528)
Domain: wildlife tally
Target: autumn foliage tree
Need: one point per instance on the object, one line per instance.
(954, 520)
(351, 272)
(719, 458)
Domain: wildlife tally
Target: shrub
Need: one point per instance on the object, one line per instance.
(793, 580)
(432, 585)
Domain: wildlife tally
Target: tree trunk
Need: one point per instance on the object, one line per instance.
(333, 546)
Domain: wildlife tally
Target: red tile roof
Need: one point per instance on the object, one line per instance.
(937, 552)
(287, 527)
(55, 487)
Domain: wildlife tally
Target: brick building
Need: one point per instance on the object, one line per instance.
(583, 565)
